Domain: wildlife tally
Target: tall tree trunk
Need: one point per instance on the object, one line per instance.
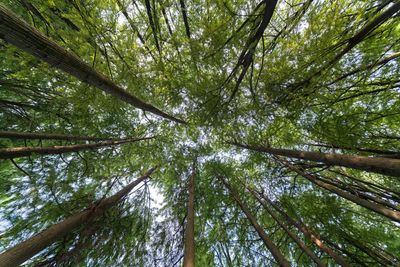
(389, 213)
(375, 254)
(189, 255)
(280, 259)
(50, 136)
(384, 166)
(19, 33)
(297, 240)
(30, 247)
(16, 152)
(361, 149)
(307, 232)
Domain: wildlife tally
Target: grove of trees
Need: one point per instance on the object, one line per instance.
(199, 133)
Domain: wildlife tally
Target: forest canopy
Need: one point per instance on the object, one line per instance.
(208, 133)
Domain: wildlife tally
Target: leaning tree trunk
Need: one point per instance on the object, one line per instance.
(384, 166)
(307, 232)
(189, 255)
(387, 153)
(280, 259)
(16, 152)
(20, 253)
(19, 33)
(389, 213)
(297, 240)
(50, 136)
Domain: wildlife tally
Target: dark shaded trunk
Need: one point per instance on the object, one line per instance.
(297, 240)
(19, 33)
(185, 18)
(30, 247)
(363, 193)
(280, 259)
(374, 253)
(367, 29)
(307, 232)
(189, 255)
(378, 189)
(384, 166)
(369, 66)
(16, 152)
(247, 55)
(149, 11)
(134, 28)
(50, 136)
(389, 213)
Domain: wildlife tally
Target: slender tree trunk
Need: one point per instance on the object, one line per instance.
(385, 260)
(307, 232)
(367, 67)
(280, 259)
(20, 253)
(384, 166)
(361, 193)
(16, 152)
(189, 255)
(351, 255)
(297, 240)
(19, 33)
(50, 136)
(389, 193)
(389, 213)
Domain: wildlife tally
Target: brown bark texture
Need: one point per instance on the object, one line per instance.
(385, 166)
(189, 252)
(17, 152)
(295, 238)
(50, 136)
(307, 232)
(19, 33)
(389, 213)
(280, 259)
(20, 253)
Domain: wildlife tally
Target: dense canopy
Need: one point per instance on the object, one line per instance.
(263, 132)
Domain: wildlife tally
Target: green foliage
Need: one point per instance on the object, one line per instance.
(290, 97)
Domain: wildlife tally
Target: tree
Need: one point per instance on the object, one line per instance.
(25, 250)
(188, 259)
(307, 91)
(15, 152)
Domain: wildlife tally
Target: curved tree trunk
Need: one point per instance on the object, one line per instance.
(50, 136)
(189, 255)
(30, 247)
(384, 166)
(280, 259)
(16, 152)
(19, 33)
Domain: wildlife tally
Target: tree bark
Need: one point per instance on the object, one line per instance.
(297, 240)
(50, 136)
(308, 233)
(383, 166)
(189, 253)
(16, 152)
(25, 250)
(19, 33)
(280, 259)
(361, 149)
(389, 213)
